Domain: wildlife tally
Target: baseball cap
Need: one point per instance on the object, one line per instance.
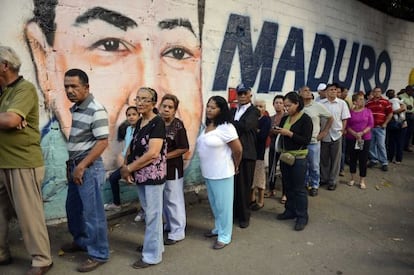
(321, 87)
(242, 88)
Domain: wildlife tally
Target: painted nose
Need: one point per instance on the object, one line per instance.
(150, 62)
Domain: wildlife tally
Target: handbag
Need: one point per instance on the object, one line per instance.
(287, 158)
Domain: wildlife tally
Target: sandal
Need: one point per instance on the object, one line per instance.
(283, 199)
(270, 193)
(351, 183)
(363, 186)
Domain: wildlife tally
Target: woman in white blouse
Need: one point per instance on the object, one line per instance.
(220, 153)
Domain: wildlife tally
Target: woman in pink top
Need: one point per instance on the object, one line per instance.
(358, 137)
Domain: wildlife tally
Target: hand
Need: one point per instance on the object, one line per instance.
(321, 136)
(78, 175)
(126, 174)
(283, 131)
(22, 125)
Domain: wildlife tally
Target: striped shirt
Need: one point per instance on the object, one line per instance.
(89, 124)
(380, 109)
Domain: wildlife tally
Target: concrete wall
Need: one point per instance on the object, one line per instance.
(273, 46)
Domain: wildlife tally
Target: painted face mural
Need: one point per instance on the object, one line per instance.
(122, 45)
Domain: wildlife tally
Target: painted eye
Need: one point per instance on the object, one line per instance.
(110, 45)
(177, 53)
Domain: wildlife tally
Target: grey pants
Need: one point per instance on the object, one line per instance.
(330, 161)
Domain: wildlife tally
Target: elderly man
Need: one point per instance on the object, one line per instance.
(331, 146)
(245, 119)
(21, 164)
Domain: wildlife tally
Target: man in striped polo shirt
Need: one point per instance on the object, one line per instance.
(87, 140)
(382, 111)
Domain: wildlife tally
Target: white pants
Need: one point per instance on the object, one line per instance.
(174, 208)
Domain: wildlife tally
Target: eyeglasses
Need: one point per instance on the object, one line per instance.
(143, 99)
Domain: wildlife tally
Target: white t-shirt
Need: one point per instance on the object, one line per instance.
(216, 160)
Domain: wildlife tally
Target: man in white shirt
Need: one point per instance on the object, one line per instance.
(331, 146)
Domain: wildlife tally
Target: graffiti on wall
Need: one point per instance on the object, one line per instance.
(363, 59)
(159, 43)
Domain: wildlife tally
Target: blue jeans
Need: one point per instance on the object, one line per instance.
(377, 150)
(312, 172)
(220, 195)
(85, 212)
(151, 197)
(296, 193)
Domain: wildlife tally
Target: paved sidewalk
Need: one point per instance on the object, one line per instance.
(351, 231)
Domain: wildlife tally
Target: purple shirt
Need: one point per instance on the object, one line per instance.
(360, 121)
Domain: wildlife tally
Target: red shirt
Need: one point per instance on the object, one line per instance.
(380, 109)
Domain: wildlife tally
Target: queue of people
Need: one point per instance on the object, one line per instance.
(305, 138)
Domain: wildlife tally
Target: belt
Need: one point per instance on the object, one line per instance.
(75, 162)
(300, 156)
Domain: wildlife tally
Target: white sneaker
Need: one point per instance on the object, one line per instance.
(140, 216)
(112, 207)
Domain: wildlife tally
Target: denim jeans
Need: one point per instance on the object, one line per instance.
(86, 214)
(151, 197)
(377, 151)
(312, 172)
(296, 193)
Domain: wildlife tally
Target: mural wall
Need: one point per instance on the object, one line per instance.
(194, 49)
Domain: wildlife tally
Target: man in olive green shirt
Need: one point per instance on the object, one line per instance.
(21, 165)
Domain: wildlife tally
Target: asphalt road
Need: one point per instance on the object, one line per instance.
(351, 231)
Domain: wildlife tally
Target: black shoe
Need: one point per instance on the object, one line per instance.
(219, 245)
(210, 234)
(285, 216)
(332, 187)
(6, 261)
(244, 224)
(141, 264)
(171, 242)
(371, 164)
(313, 192)
(384, 168)
(299, 226)
(257, 207)
(72, 248)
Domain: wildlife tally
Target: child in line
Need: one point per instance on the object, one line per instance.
(132, 118)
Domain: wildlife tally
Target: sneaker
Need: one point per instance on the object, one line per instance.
(342, 173)
(384, 168)
(371, 164)
(112, 207)
(140, 216)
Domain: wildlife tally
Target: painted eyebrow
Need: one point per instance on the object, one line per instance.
(109, 16)
(170, 24)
